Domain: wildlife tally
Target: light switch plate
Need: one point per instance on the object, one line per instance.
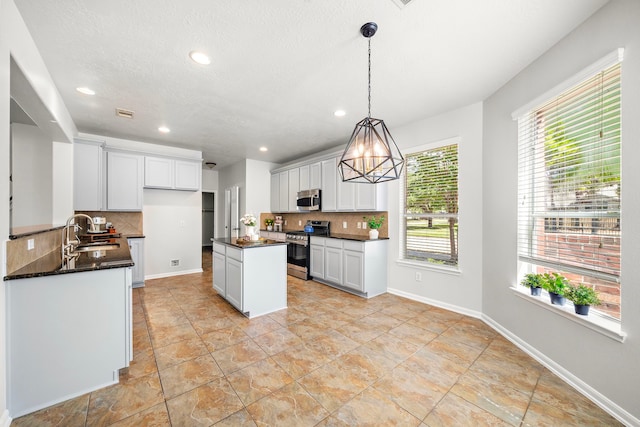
(31, 244)
(344, 224)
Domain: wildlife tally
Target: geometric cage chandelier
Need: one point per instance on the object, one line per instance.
(371, 155)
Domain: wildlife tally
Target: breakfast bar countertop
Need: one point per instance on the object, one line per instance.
(241, 243)
(51, 263)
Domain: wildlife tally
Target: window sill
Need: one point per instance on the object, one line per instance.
(430, 267)
(605, 326)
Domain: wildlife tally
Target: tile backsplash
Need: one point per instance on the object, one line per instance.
(296, 221)
(18, 254)
(127, 223)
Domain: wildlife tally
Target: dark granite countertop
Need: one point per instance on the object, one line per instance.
(355, 237)
(243, 244)
(51, 263)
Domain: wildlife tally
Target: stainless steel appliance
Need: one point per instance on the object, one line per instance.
(298, 250)
(308, 200)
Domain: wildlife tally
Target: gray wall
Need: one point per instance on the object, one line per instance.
(605, 368)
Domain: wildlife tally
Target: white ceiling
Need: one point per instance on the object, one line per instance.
(280, 68)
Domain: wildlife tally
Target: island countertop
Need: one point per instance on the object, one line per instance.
(247, 244)
(51, 263)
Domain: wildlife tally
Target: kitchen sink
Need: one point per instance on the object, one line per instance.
(89, 247)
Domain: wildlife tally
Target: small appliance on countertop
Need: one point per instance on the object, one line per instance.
(277, 224)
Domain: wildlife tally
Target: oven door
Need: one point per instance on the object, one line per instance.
(298, 259)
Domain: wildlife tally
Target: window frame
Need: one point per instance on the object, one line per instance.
(598, 321)
(402, 229)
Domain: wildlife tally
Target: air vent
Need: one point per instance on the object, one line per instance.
(121, 112)
(401, 3)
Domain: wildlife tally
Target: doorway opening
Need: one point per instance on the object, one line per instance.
(208, 218)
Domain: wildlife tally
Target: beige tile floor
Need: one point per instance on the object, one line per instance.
(330, 359)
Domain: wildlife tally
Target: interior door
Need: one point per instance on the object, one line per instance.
(231, 208)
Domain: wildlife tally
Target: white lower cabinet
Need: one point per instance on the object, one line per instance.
(358, 267)
(136, 247)
(317, 257)
(219, 269)
(253, 280)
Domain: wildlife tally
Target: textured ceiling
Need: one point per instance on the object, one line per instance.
(280, 68)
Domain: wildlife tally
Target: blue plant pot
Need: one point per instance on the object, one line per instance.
(582, 310)
(557, 299)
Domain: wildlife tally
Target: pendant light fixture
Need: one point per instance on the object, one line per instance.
(371, 155)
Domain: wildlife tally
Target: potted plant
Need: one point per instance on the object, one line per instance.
(556, 284)
(534, 282)
(269, 223)
(374, 223)
(583, 297)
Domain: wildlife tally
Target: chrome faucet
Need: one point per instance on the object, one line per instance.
(68, 244)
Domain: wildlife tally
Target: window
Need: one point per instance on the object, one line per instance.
(431, 206)
(569, 186)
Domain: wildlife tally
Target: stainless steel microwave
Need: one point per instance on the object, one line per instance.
(308, 200)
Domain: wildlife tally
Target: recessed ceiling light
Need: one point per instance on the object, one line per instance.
(199, 57)
(85, 90)
(339, 113)
(164, 129)
(263, 149)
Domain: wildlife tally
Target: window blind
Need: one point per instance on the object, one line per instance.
(569, 180)
(430, 189)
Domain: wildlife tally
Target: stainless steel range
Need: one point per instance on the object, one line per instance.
(298, 250)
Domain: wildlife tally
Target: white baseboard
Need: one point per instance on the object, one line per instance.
(585, 389)
(440, 304)
(171, 274)
(5, 419)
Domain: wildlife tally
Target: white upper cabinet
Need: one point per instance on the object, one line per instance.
(124, 181)
(328, 201)
(284, 191)
(188, 175)
(346, 195)
(171, 174)
(304, 178)
(294, 187)
(87, 176)
(275, 193)
(315, 175)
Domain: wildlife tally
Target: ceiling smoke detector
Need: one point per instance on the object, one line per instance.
(401, 3)
(121, 112)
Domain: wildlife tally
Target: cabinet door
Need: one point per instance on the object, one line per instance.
(158, 172)
(353, 270)
(275, 192)
(333, 265)
(317, 262)
(366, 197)
(294, 186)
(234, 283)
(187, 175)
(329, 180)
(304, 178)
(346, 195)
(87, 177)
(219, 276)
(315, 174)
(284, 191)
(136, 247)
(124, 182)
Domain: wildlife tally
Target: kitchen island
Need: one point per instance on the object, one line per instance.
(251, 275)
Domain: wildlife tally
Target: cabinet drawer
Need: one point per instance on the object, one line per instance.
(333, 243)
(234, 253)
(217, 247)
(317, 241)
(353, 246)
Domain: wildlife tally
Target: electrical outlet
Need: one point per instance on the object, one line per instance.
(285, 222)
(359, 225)
(175, 262)
(299, 222)
(418, 276)
(31, 244)
(364, 225)
(344, 224)
(182, 223)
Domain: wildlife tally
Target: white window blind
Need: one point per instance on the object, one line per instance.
(430, 189)
(569, 181)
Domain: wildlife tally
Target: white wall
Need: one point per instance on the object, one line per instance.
(599, 365)
(32, 158)
(462, 292)
(232, 175)
(209, 180)
(258, 192)
(172, 222)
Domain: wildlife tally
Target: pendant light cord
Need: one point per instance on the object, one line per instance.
(369, 79)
